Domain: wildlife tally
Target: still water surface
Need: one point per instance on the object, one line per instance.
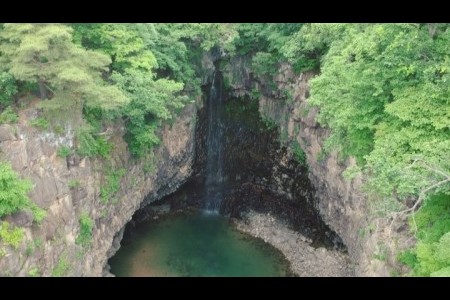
(195, 244)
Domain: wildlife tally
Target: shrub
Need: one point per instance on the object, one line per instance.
(84, 238)
(61, 268)
(13, 191)
(38, 213)
(150, 163)
(30, 248)
(112, 184)
(269, 123)
(38, 243)
(264, 63)
(408, 258)
(91, 146)
(40, 123)
(299, 154)
(8, 116)
(11, 236)
(13, 194)
(73, 183)
(34, 272)
(64, 151)
(8, 88)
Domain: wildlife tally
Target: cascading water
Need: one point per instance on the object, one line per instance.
(189, 243)
(214, 145)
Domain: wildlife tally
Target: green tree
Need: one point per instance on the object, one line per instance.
(265, 43)
(208, 35)
(8, 89)
(151, 63)
(45, 53)
(384, 92)
(174, 54)
(167, 49)
(120, 41)
(151, 102)
(431, 256)
(306, 47)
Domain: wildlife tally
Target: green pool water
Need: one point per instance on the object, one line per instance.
(197, 244)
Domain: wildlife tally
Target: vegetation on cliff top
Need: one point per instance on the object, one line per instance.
(90, 73)
(383, 91)
(89, 76)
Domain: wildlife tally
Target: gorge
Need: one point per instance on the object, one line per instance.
(223, 150)
(234, 173)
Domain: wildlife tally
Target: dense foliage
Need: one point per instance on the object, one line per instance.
(383, 91)
(45, 54)
(141, 73)
(8, 89)
(266, 44)
(13, 193)
(432, 254)
(152, 101)
(153, 66)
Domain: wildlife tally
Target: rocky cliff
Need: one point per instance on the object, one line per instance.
(68, 188)
(284, 99)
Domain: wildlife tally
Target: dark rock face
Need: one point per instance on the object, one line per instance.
(78, 194)
(259, 174)
(22, 218)
(298, 214)
(342, 204)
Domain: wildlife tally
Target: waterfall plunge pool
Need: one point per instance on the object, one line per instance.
(195, 244)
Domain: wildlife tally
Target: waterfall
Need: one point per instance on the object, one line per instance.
(214, 145)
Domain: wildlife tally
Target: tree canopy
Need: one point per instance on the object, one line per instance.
(381, 89)
(143, 73)
(45, 53)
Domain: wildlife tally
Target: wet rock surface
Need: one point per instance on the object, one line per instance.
(297, 213)
(306, 261)
(261, 178)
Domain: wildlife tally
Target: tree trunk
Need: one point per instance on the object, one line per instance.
(42, 90)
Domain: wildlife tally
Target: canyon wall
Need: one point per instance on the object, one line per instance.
(283, 98)
(68, 188)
